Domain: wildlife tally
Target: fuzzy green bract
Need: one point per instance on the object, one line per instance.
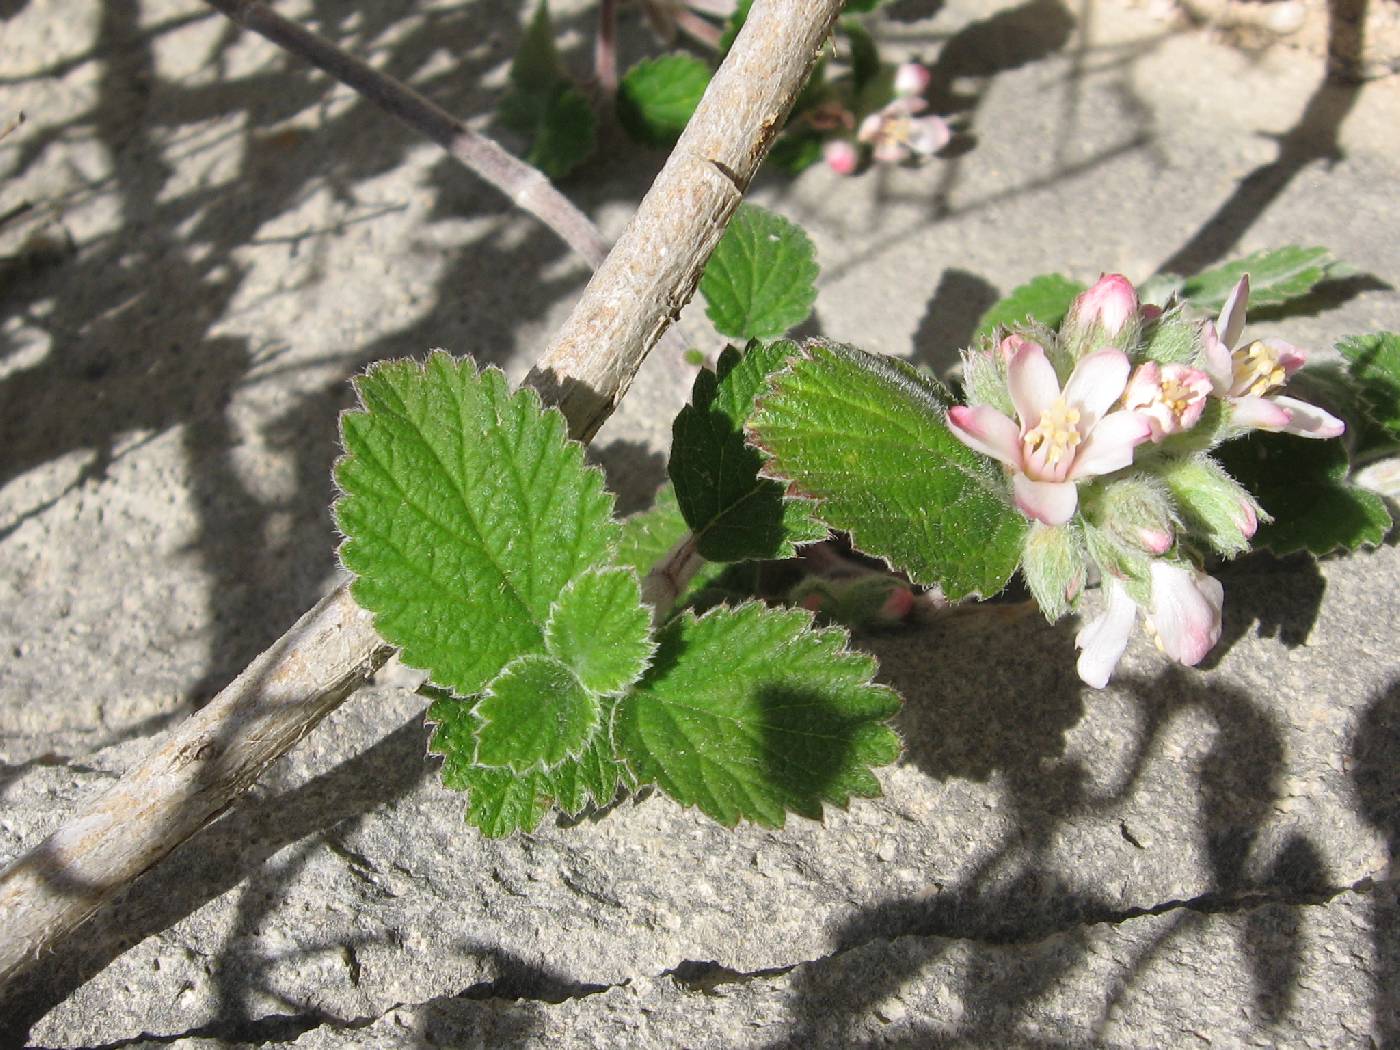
(1303, 484)
(534, 714)
(1275, 276)
(601, 630)
(866, 437)
(466, 512)
(543, 104)
(658, 96)
(759, 281)
(748, 713)
(735, 514)
(1044, 299)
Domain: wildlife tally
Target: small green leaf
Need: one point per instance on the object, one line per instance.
(658, 96)
(1044, 299)
(867, 438)
(749, 713)
(466, 511)
(735, 514)
(1303, 483)
(534, 714)
(1374, 361)
(601, 629)
(536, 67)
(759, 281)
(1274, 277)
(796, 150)
(865, 56)
(500, 801)
(544, 106)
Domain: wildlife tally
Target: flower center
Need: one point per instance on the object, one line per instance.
(1177, 396)
(1256, 370)
(1056, 435)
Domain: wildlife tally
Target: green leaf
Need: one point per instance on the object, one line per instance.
(1274, 277)
(543, 104)
(601, 629)
(536, 68)
(534, 714)
(649, 535)
(867, 438)
(735, 514)
(1303, 483)
(863, 6)
(500, 801)
(796, 150)
(1374, 361)
(466, 511)
(658, 96)
(759, 281)
(865, 56)
(790, 722)
(1044, 299)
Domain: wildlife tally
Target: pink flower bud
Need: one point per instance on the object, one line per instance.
(1156, 541)
(898, 604)
(1248, 519)
(841, 156)
(911, 79)
(1108, 306)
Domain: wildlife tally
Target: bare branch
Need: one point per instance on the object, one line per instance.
(525, 185)
(205, 763)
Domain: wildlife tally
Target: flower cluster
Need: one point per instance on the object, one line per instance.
(896, 132)
(1105, 429)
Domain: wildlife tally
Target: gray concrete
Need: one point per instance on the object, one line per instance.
(220, 239)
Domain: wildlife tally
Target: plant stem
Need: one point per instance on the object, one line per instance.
(526, 186)
(206, 762)
(668, 578)
(605, 50)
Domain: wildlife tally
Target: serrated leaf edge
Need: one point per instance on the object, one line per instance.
(651, 643)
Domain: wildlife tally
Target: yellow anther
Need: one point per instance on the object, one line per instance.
(1257, 369)
(1057, 432)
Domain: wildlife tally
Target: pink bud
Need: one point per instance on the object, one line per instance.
(911, 79)
(898, 604)
(841, 156)
(1109, 305)
(812, 602)
(1155, 541)
(1247, 519)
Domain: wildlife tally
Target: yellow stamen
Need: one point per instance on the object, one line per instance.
(1057, 432)
(1257, 369)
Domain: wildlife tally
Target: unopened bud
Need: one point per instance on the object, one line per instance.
(1054, 564)
(841, 156)
(911, 79)
(1104, 316)
(1216, 507)
(1138, 511)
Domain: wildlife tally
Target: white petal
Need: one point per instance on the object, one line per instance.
(1097, 381)
(1215, 360)
(1185, 611)
(1033, 384)
(1052, 502)
(1231, 322)
(1258, 413)
(986, 430)
(1110, 444)
(1104, 639)
(1308, 420)
(870, 128)
(1290, 357)
(928, 135)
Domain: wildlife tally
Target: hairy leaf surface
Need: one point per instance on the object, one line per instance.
(466, 512)
(735, 514)
(867, 438)
(658, 96)
(749, 713)
(1044, 299)
(759, 281)
(1275, 276)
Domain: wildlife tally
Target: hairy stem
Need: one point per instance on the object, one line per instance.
(526, 186)
(668, 578)
(605, 49)
(201, 768)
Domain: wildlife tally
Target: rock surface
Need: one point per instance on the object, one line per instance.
(218, 239)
